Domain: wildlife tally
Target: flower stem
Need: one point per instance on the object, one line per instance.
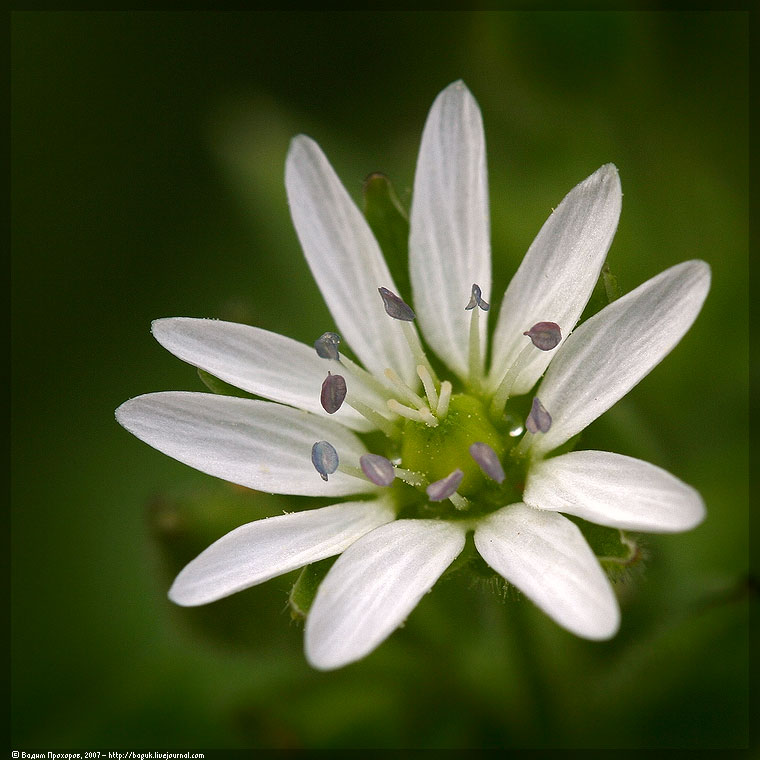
(533, 675)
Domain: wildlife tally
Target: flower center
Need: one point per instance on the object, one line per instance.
(449, 456)
(440, 450)
(436, 452)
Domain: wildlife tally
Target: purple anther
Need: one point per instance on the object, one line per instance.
(476, 300)
(488, 461)
(396, 307)
(327, 344)
(333, 393)
(544, 335)
(443, 488)
(539, 420)
(324, 457)
(378, 469)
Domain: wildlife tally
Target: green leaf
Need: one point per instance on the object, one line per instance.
(390, 224)
(215, 385)
(305, 588)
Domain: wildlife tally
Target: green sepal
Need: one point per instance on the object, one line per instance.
(483, 576)
(615, 549)
(605, 292)
(466, 559)
(305, 588)
(215, 385)
(610, 283)
(389, 223)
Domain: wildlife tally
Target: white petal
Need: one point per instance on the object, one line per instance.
(449, 236)
(374, 585)
(345, 260)
(264, 549)
(546, 556)
(558, 274)
(614, 490)
(609, 353)
(253, 443)
(258, 361)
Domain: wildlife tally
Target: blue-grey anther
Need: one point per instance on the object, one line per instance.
(445, 487)
(333, 393)
(327, 344)
(544, 335)
(476, 300)
(396, 307)
(539, 420)
(488, 461)
(324, 457)
(378, 469)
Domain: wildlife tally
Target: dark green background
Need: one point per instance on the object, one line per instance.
(148, 155)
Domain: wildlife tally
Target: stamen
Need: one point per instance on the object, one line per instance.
(354, 472)
(378, 469)
(443, 400)
(365, 377)
(459, 501)
(428, 418)
(413, 340)
(544, 335)
(405, 390)
(429, 385)
(377, 419)
(418, 415)
(410, 477)
(488, 461)
(444, 488)
(539, 420)
(522, 449)
(324, 457)
(476, 300)
(333, 393)
(396, 307)
(327, 344)
(474, 358)
(501, 396)
(326, 347)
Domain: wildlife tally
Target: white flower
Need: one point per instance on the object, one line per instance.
(451, 456)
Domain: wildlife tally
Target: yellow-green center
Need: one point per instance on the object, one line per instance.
(435, 452)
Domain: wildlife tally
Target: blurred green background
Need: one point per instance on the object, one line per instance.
(147, 167)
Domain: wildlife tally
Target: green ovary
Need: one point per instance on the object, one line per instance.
(437, 452)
